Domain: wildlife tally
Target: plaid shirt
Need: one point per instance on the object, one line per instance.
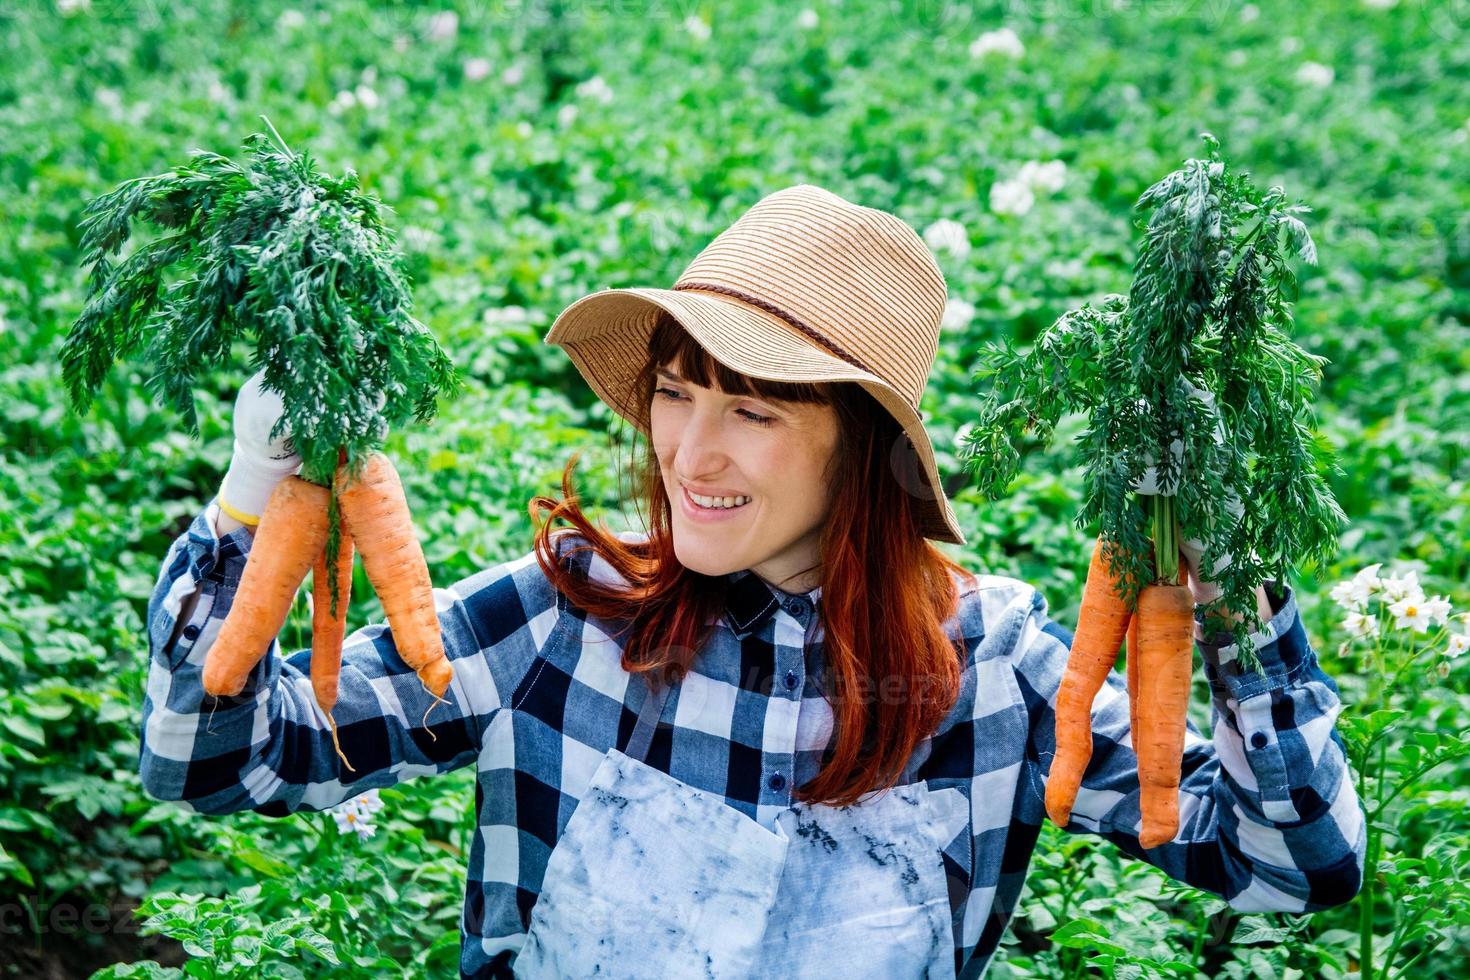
(1269, 819)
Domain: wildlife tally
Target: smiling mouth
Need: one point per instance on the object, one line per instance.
(697, 505)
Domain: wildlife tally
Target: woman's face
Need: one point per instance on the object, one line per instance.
(711, 442)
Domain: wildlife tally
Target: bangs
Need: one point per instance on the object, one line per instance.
(671, 346)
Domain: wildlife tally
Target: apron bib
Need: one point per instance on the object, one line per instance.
(655, 878)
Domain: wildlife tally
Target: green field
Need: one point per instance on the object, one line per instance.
(534, 152)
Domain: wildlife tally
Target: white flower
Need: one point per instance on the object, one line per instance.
(68, 7)
(949, 236)
(290, 20)
(1249, 13)
(1438, 610)
(1291, 45)
(1314, 74)
(807, 19)
(509, 315)
(1459, 643)
(444, 25)
(418, 239)
(1406, 586)
(1342, 594)
(476, 68)
(1048, 177)
(697, 28)
(1002, 41)
(345, 100)
(1380, 4)
(1235, 58)
(1410, 613)
(957, 314)
(352, 817)
(595, 88)
(1358, 624)
(1358, 590)
(368, 803)
(513, 74)
(1011, 197)
(366, 97)
(567, 114)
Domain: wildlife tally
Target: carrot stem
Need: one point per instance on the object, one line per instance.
(1166, 538)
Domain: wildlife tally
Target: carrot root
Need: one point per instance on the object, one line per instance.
(1101, 626)
(327, 631)
(376, 511)
(291, 534)
(1165, 662)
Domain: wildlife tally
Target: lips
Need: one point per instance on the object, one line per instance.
(700, 513)
(688, 493)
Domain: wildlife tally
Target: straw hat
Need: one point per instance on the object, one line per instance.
(804, 286)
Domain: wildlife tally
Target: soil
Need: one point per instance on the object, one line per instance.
(73, 947)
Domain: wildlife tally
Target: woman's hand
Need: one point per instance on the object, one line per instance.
(1203, 586)
(259, 462)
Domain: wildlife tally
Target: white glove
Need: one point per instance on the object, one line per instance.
(259, 463)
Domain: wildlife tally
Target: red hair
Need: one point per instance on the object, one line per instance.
(886, 590)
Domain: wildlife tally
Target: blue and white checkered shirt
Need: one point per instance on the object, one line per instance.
(1269, 819)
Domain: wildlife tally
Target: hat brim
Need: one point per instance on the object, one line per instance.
(606, 335)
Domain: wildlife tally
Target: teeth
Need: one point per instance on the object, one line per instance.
(717, 501)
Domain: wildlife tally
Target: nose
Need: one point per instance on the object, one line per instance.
(700, 454)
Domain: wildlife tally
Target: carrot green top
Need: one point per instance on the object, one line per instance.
(1191, 371)
(301, 263)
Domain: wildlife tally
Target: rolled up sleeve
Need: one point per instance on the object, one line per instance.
(1269, 818)
(269, 748)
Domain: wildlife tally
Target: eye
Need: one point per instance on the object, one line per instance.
(755, 419)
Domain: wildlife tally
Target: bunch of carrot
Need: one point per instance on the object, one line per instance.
(290, 540)
(1160, 654)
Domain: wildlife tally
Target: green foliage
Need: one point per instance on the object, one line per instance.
(275, 249)
(303, 262)
(515, 194)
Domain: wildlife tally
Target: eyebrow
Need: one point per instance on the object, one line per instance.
(666, 373)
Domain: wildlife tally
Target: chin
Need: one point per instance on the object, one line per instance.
(701, 560)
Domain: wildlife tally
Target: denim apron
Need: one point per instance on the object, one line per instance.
(655, 878)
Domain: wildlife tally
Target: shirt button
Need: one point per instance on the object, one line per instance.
(798, 607)
(1258, 740)
(777, 782)
(790, 679)
(191, 632)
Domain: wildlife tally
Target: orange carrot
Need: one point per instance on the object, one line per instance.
(1165, 662)
(292, 532)
(1101, 626)
(376, 511)
(327, 631)
(1133, 678)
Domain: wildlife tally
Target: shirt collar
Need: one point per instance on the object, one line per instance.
(750, 600)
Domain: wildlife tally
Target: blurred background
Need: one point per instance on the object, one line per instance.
(536, 151)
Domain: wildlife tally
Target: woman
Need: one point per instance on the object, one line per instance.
(780, 733)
